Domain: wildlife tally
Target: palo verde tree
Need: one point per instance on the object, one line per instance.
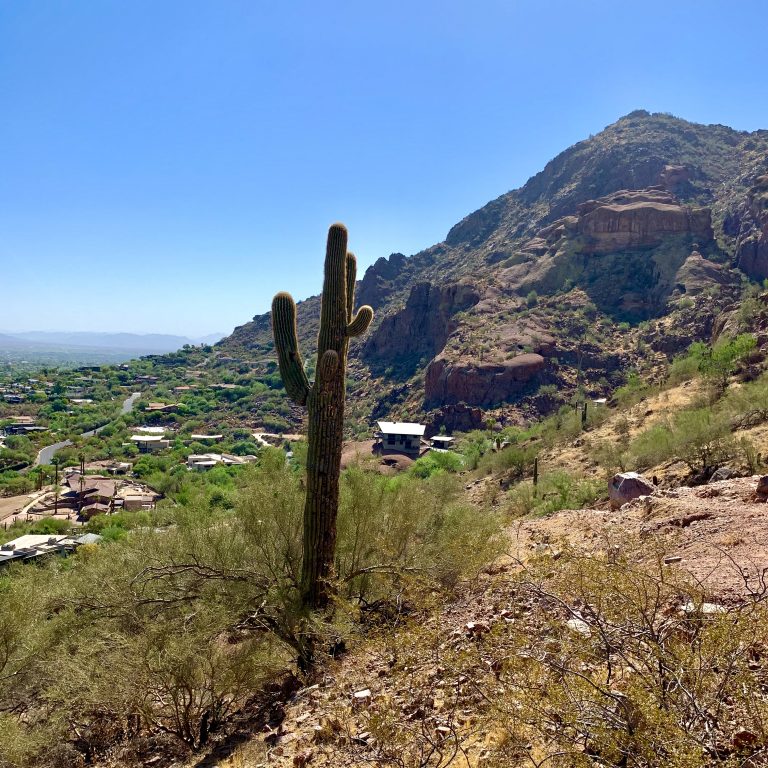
(324, 400)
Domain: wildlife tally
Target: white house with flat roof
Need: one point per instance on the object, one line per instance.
(150, 443)
(441, 442)
(400, 436)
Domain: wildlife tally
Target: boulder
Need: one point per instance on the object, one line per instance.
(482, 384)
(455, 418)
(723, 473)
(698, 274)
(627, 486)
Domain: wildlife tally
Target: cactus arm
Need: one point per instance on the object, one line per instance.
(329, 362)
(287, 346)
(359, 323)
(351, 280)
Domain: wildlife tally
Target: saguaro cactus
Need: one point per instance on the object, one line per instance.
(324, 400)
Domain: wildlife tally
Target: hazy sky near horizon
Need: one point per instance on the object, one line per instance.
(167, 166)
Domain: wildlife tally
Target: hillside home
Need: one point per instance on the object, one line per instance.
(150, 443)
(136, 497)
(400, 437)
(441, 443)
(203, 461)
(162, 407)
(89, 490)
(33, 546)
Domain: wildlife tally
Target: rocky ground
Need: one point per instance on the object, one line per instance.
(717, 533)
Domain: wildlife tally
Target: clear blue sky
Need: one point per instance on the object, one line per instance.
(168, 165)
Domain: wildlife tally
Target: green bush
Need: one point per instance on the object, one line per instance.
(555, 491)
(700, 437)
(436, 461)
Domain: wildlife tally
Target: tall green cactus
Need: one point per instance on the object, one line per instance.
(324, 400)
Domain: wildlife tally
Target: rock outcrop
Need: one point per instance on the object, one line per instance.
(531, 250)
(624, 250)
(639, 219)
(482, 384)
(455, 418)
(379, 280)
(752, 228)
(421, 328)
(699, 274)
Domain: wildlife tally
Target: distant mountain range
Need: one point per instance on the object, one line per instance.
(51, 346)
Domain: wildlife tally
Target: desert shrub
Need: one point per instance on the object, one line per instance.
(50, 526)
(699, 436)
(750, 455)
(637, 681)
(436, 461)
(548, 390)
(392, 529)
(473, 446)
(718, 363)
(555, 491)
(632, 391)
(172, 629)
(514, 460)
(612, 457)
(683, 368)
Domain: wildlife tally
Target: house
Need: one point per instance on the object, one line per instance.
(400, 437)
(211, 438)
(162, 407)
(90, 490)
(34, 546)
(204, 461)
(22, 425)
(91, 510)
(150, 443)
(441, 443)
(119, 468)
(137, 497)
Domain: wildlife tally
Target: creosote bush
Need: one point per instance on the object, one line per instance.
(555, 491)
(172, 628)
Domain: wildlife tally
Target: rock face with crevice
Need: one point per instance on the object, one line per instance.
(422, 327)
(752, 229)
(381, 279)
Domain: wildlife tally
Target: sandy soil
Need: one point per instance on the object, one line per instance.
(11, 505)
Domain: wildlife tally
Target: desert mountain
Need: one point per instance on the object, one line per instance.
(625, 248)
